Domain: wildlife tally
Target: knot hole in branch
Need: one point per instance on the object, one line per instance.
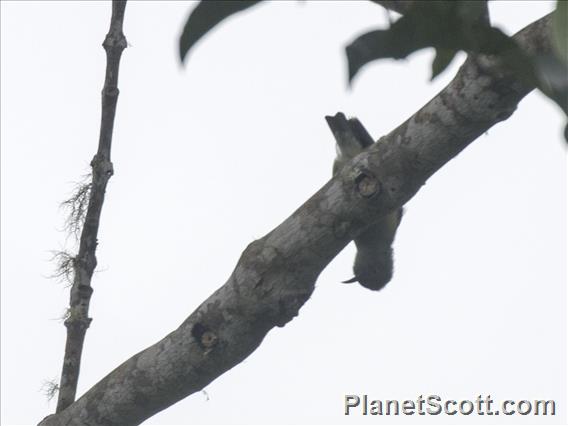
(206, 338)
(367, 184)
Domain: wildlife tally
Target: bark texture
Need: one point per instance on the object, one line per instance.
(275, 275)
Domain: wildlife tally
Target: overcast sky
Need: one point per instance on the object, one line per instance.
(216, 154)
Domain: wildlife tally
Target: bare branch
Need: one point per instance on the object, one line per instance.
(275, 275)
(85, 212)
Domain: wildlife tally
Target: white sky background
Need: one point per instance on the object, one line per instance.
(213, 155)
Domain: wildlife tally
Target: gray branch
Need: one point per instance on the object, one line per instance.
(85, 262)
(276, 274)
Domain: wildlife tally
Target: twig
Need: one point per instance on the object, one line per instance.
(85, 261)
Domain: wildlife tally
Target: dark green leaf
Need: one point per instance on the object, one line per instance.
(560, 43)
(443, 58)
(206, 15)
(560, 30)
(444, 25)
(472, 11)
(552, 75)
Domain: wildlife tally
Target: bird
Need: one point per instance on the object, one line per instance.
(373, 267)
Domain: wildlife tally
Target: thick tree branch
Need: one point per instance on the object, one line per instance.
(85, 262)
(275, 275)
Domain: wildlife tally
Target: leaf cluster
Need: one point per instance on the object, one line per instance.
(446, 26)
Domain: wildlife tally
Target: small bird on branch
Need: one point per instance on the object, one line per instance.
(373, 266)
